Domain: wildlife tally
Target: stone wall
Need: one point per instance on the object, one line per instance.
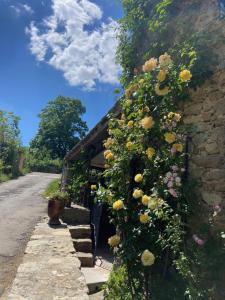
(205, 111)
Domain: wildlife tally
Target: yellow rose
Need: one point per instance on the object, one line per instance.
(178, 147)
(110, 131)
(129, 145)
(93, 187)
(146, 109)
(185, 75)
(138, 178)
(153, 204)
(130, 124)
(108, 143)
(107, 152)
(175, 116)
(170, 137)
(160, 202)
(150, 152)
(144, 218)
(118, 205)
(130, 90)
(165, 60)
(114, 240)
(110, 156)
(137, 194)
(129, 102)
(170, 115)
(161, 92)
(145, 200)
(147, 258)
(150, 65)
(142, 81)
(161, 76)
(147, 123)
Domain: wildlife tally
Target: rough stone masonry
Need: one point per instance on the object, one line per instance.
(205, 111)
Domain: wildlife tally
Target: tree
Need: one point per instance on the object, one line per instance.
(9, 142)
(61, 127)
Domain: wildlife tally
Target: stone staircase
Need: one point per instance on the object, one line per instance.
(78, 221)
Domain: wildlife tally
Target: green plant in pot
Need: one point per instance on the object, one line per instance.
(56, 204)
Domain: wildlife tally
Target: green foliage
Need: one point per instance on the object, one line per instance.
(9, 145)
(147, 30)
(40, 160)
(62, 197)
(117, 287)
(52, 188)
(60, 127)
(149, 140)
(78, 177)
(184, 270)
(3, 177)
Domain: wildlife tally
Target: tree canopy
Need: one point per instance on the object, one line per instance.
(60, 127)
(9, 142)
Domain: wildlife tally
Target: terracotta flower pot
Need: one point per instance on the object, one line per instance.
(55, 208)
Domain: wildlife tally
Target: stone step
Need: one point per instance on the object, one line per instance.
(97, 296)
(86, 259)
(80, 231)
(95, 278)
(76, 215)
(83, 245)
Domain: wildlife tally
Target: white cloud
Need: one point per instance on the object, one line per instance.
(27, 8)
(63, 40)
(21, 8)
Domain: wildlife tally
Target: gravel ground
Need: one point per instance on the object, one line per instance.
(21, 207)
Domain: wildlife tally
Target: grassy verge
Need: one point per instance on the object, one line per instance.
(53, 187)
(4, 178)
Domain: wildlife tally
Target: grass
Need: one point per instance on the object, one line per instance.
(53, 187)
(4, 178)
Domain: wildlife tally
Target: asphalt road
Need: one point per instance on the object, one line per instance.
(21, 207)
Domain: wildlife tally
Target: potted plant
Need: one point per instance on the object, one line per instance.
(56, 204)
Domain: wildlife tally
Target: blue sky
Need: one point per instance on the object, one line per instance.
(57, 47)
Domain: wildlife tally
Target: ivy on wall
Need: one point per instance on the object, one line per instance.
(148, 30)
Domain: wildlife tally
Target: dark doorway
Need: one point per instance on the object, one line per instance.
(106, 229)
(103, 230)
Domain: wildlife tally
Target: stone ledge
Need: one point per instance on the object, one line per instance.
(50, 269)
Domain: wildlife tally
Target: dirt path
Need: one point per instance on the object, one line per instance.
(21, 207)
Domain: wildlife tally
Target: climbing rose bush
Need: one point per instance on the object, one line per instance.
(145, 172)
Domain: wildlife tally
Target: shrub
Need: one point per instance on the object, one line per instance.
(117, 287)
(146, 156)
(41, 161)
(62, 197)
(52, 188)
